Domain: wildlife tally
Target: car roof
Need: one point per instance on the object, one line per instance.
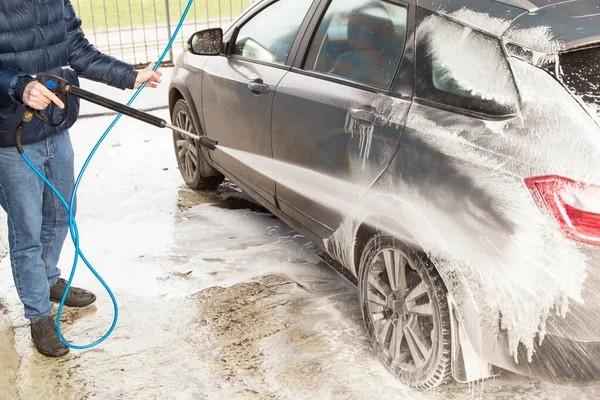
(541, 25)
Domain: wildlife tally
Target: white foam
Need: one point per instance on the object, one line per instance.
(482, 21)
(454, 49)
(539, 38)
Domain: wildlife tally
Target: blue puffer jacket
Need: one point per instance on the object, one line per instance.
(43, 36)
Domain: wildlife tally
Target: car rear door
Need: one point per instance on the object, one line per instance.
(238, 88)
(341, 109)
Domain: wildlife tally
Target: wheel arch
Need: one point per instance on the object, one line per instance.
(174, 95)
(369, 227)
(467, 344)
(177, 91)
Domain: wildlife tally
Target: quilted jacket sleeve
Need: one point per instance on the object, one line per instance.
(87, 61)
(12, 84)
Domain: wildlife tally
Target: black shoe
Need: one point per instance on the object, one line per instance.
(45, 338)
(75, 298)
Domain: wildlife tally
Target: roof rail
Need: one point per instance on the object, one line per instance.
(522, 4)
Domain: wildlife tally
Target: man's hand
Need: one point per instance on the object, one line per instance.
(147, 74)
(39, 97)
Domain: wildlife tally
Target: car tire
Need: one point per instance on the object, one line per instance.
(194, 169)
(412, 311)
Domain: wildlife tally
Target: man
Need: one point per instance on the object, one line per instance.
(43, 37)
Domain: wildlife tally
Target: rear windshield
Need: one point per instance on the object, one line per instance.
(580, 72)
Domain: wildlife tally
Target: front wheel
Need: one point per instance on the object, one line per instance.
(194, 169)
(406, 313)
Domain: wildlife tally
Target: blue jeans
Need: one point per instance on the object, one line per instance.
(37, 221)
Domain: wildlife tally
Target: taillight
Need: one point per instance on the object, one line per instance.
(574, 205)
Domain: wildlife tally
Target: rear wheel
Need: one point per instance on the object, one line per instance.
(194, 168)
(405, 310)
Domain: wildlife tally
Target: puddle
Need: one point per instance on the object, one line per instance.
(236, 319)
(227, 196)
(273, 339)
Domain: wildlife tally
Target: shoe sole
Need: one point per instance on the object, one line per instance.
(54, 355)
(79, 305)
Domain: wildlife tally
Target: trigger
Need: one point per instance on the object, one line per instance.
(51, 85)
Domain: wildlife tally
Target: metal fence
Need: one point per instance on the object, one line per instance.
(137, 31)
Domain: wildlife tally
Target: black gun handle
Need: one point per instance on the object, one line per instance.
(59, 87)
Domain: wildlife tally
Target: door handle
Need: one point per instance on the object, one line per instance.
(258, 86)
(367, 116)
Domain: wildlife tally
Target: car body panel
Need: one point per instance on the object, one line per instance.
(489, 16)
(225, 88)
(186, 83)
(558, 27)
(313, 128)
(320, 132)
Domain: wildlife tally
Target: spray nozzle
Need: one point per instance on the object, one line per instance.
(208, 143)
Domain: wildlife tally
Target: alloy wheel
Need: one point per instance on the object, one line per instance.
(187, 148)
(401, 309)
(195, 170)
(405, 310)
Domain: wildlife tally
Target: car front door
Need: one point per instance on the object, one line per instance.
(341, 109)
(238, 88)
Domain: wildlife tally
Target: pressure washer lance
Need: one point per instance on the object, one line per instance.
(62, 88)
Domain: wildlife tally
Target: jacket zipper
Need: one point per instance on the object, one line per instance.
(37, 23)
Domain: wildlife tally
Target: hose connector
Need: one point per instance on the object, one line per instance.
(27, 116)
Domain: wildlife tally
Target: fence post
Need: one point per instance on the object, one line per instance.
(169, 29)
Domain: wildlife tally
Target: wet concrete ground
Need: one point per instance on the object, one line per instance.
(217, 298)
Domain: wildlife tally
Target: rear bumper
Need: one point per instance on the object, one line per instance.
(570, 351)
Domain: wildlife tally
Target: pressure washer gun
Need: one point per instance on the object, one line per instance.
(62, 89)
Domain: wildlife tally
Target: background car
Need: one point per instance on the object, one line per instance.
(443, 154)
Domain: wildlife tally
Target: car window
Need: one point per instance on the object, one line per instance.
(359, 40)
(580, 72)
(268, 36)
(462, 67)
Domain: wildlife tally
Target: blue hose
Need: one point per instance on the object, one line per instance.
(71, 207)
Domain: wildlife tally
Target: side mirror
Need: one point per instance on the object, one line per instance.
(208, 42)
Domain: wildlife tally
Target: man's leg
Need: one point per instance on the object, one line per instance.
(55, 226)
(21, 197)
(21, 193)
(59, 170)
